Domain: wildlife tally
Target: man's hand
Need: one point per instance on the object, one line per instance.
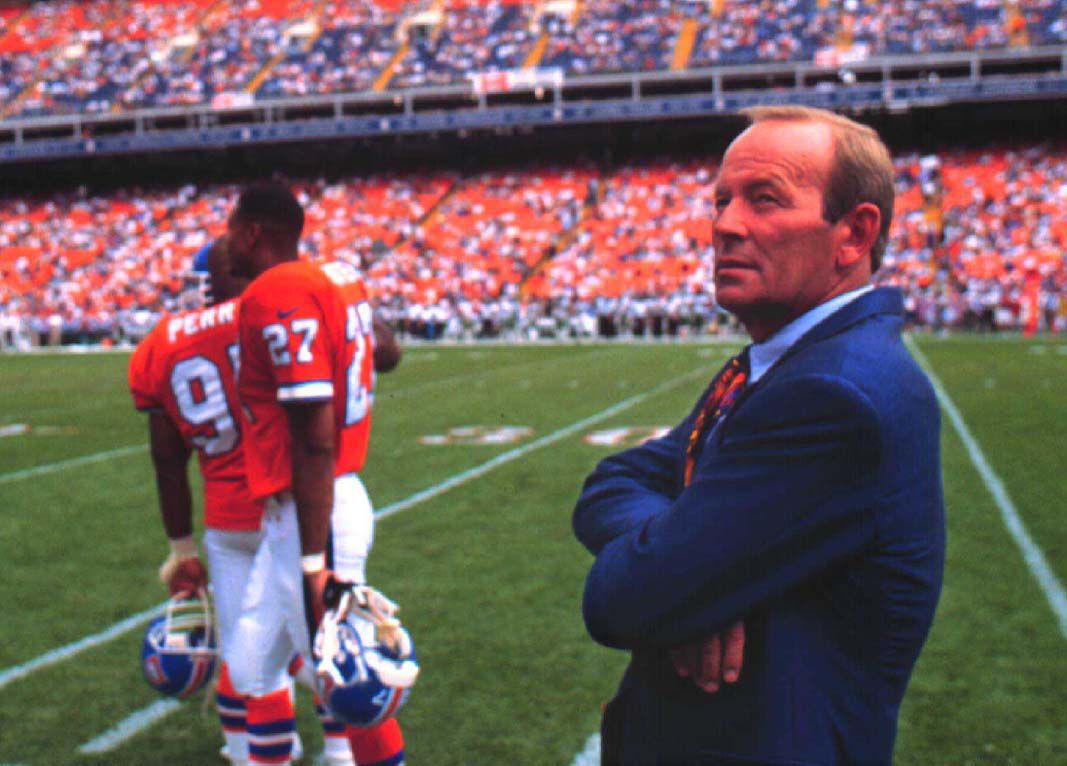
(712, 661)
(182, 572)
(322, 591)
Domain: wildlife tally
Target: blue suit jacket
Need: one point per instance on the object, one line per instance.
(815, 514)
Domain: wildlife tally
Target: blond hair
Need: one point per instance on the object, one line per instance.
(861, 169)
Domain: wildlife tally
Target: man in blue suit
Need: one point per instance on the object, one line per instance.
(799, 506)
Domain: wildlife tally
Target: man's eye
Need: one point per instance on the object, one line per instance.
(766, 199)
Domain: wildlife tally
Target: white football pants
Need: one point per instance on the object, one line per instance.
(271, 625)
(229, 557)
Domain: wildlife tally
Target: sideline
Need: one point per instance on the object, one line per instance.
(136, 722)
(1032, 554)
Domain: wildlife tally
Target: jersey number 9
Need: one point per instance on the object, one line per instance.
(201, 398)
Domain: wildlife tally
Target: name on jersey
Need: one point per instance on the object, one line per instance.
(205, 319)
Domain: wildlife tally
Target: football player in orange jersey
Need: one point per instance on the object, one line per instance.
(309, 351)
(183, 375)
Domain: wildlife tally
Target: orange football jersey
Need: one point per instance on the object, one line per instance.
(186, 368)
(306, 335)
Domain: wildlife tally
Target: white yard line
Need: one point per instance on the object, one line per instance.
(590, 755)
(96, 457)
(130, 726)
(507, 457)
(1032, 554)
(66, 652)
(146, 717)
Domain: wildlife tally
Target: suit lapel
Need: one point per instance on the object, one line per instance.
(881, 300)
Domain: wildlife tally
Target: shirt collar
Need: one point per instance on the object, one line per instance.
(763, 355)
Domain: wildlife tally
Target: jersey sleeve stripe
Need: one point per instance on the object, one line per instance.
(308, 390)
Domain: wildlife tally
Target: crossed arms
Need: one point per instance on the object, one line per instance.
(790, 489)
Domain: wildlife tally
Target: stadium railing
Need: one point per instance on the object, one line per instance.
(896, 83)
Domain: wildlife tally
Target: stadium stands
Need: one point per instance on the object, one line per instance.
(65, 56)
(979, 241)
(469, 37)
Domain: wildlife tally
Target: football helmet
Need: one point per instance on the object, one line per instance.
(196, 283)
(180, 649)
(366, 662)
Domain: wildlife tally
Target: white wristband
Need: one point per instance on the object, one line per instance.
(313, 562)
(183, 547)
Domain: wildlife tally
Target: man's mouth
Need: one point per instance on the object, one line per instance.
(728, 264)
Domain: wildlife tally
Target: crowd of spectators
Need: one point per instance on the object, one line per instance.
(979, 241)
(487, 36)
(63, 56)
(626, 36)
(485, 236)
(356, 42)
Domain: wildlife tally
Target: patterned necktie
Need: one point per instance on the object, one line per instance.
(725, 389)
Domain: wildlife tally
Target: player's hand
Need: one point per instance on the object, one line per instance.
(182, 572)
(184, 577)
(712, 661)
(322, 591)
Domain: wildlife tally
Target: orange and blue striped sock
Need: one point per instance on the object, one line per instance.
(231, 708)
(270, 728)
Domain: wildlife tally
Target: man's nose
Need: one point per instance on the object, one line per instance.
(728, 223)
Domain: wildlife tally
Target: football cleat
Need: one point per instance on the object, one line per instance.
(180, 649)
(365, 660)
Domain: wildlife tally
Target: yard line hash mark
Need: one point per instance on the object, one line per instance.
(1032, 554)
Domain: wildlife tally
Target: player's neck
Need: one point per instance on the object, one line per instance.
(269, 259)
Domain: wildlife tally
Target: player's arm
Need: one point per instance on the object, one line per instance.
(182, 572)
(311, 428)
(386, 349)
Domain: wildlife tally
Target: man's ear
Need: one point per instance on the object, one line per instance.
(856, 234)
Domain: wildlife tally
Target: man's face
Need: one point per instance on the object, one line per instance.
(224, 284)
(240, 244)
(774, 256)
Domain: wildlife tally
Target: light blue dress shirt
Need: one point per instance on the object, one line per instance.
(762, 356)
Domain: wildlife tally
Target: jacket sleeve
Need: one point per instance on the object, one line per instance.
(790, 490)
(630, 487)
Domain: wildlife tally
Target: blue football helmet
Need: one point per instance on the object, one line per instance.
(196, 283)
(179, 650)
(366, 662)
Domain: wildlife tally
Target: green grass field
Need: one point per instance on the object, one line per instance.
(487, 572)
